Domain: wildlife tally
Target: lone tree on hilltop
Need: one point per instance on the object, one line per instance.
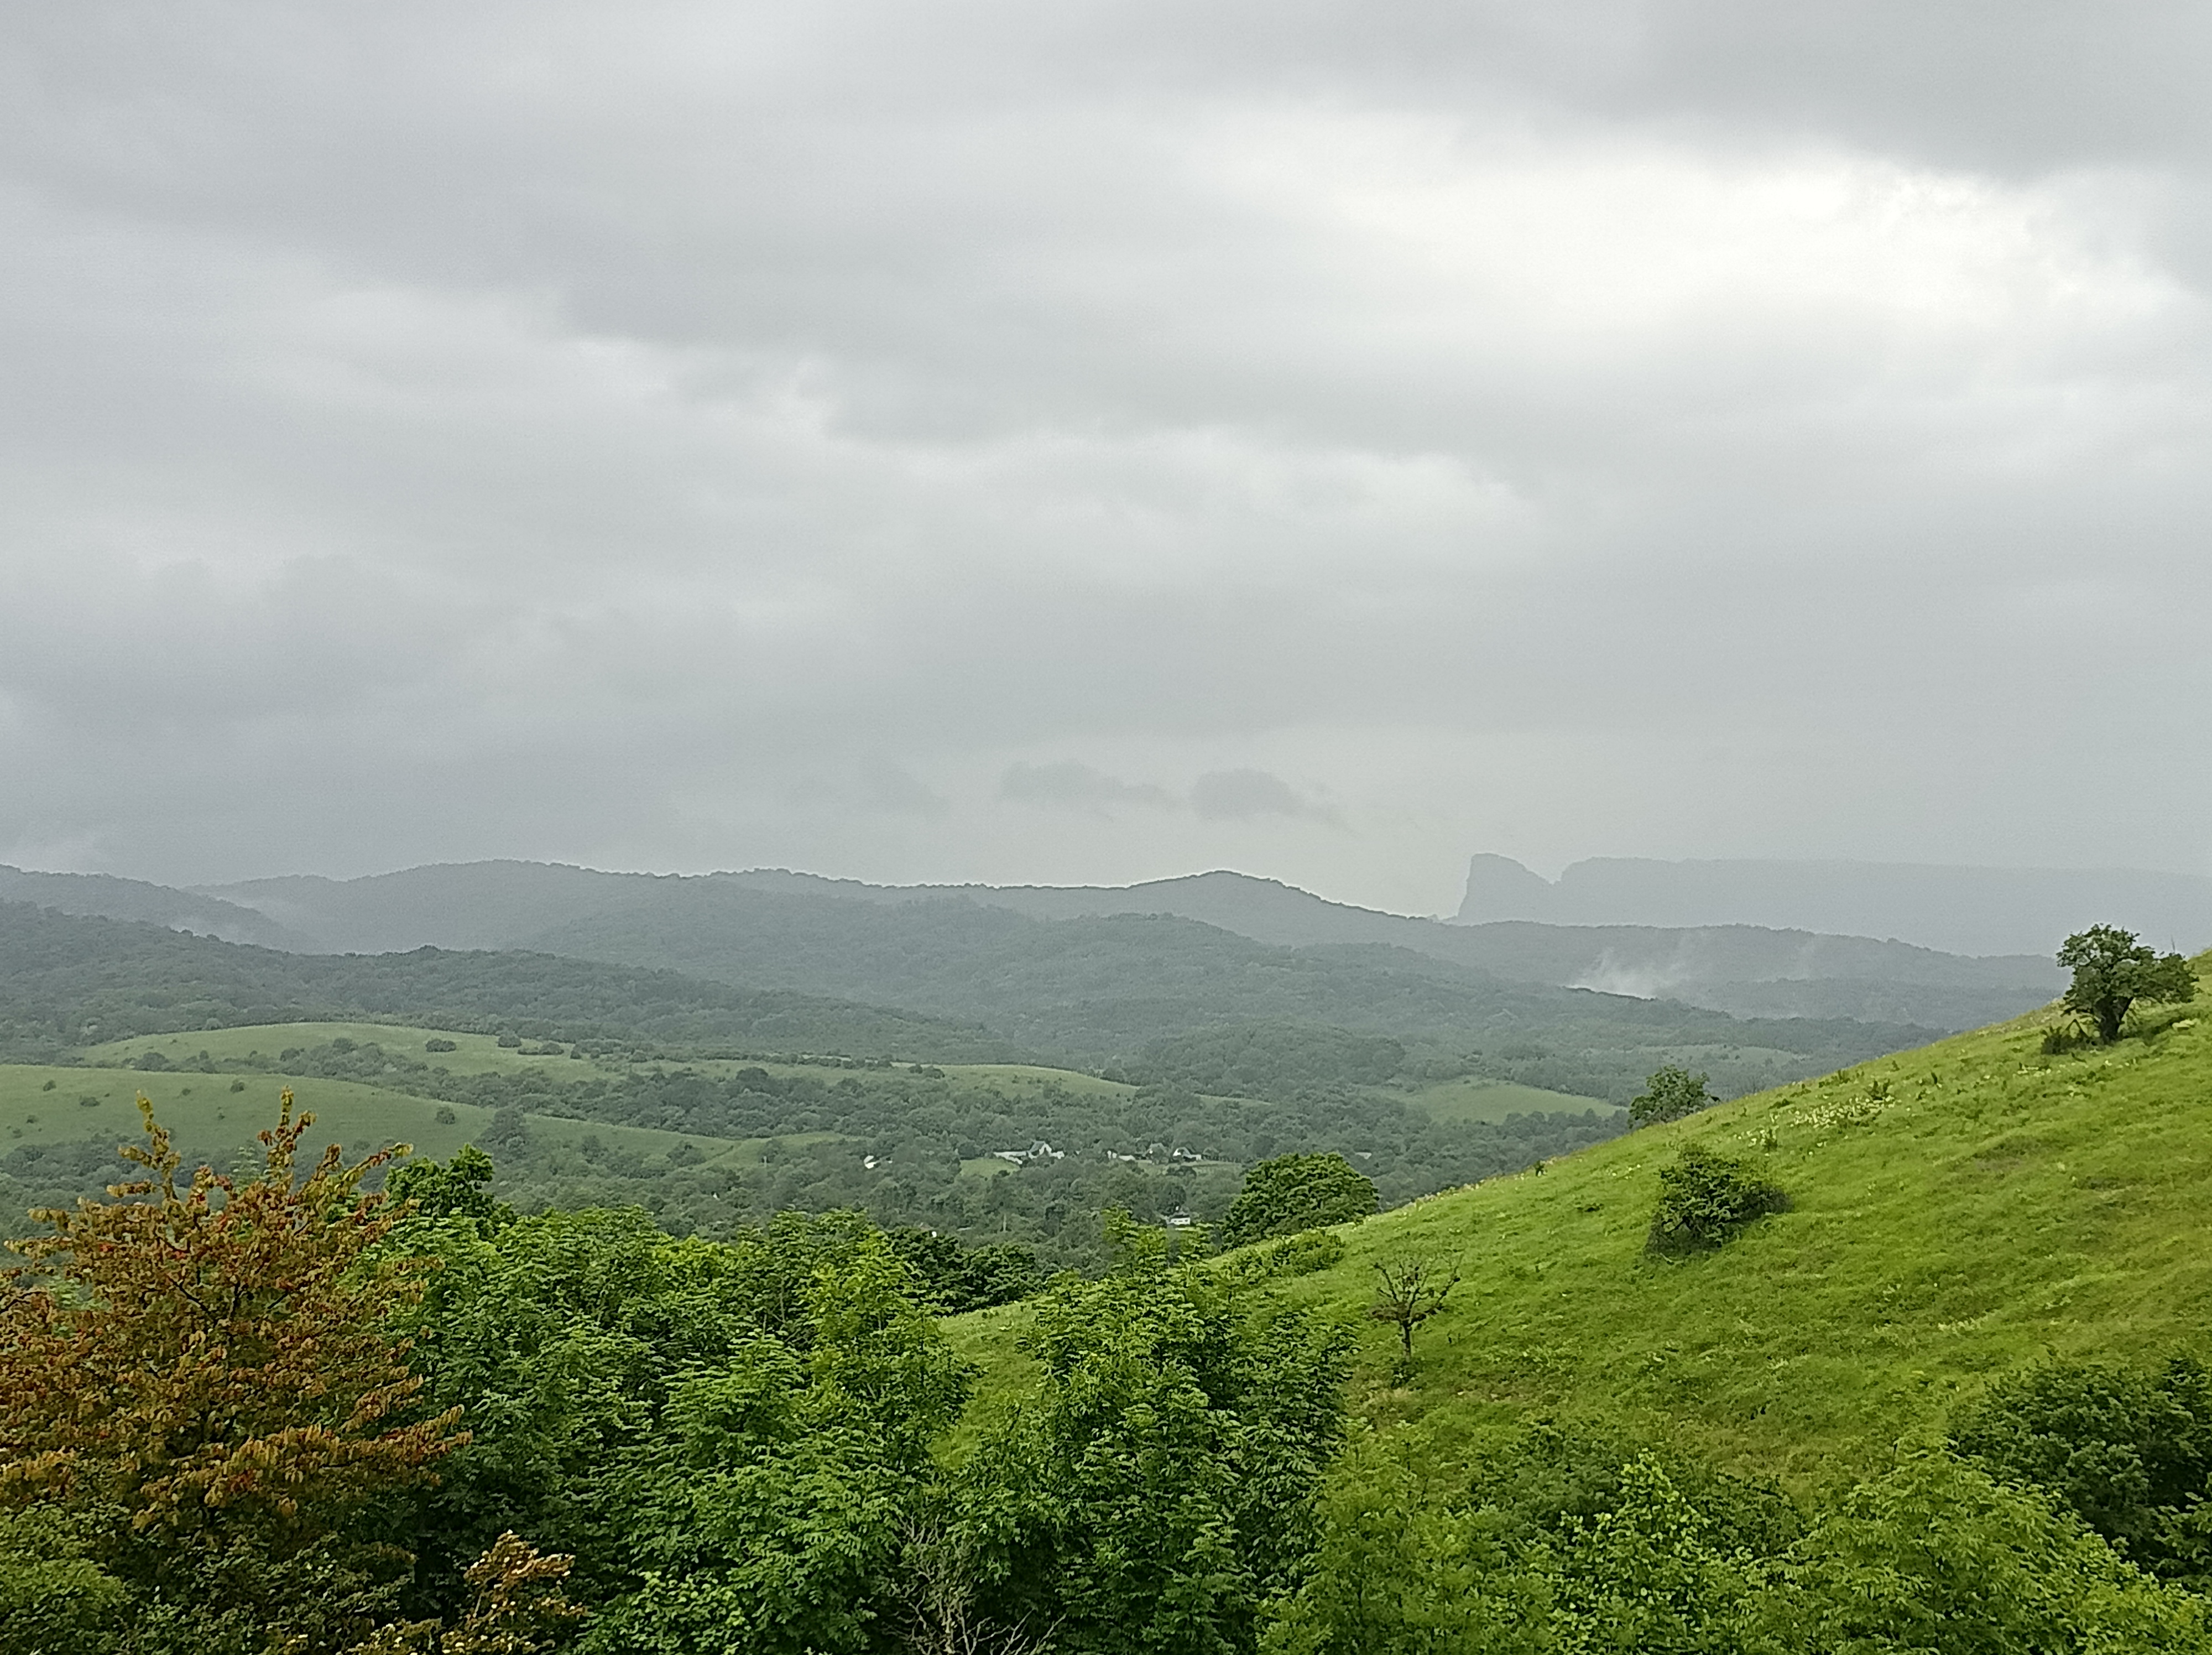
(2112, 970)
(1670, 1093)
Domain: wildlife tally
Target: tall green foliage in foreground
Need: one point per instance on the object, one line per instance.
(2129, 1452)
(733, 1445)
(1159, 1488)
(734, 1441)
(1935, 1555)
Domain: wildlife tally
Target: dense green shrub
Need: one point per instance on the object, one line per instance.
(1561, 1547)
(1290, 1256)
(1706, 1197)
(955, 1278)
(2129, 1452)
(1938, 1555)
(1297, 1192)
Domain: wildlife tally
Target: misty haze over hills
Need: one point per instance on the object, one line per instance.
(1967, 910)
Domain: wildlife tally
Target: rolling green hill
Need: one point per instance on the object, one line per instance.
(68, 980)
(1959, 1210)
(60, 1128)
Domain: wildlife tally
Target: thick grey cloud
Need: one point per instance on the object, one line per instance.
(1240, 794)
(680, 436)
(1076, 786)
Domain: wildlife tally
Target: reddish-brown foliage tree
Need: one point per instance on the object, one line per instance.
(202, 1373)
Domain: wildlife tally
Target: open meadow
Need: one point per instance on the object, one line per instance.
(1956, 1212)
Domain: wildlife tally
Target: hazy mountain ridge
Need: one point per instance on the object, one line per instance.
(1742, 969)
(1723, 968)
(105, 897)
(1967, 910)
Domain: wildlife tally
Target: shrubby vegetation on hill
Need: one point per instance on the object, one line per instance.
(1291, 1193)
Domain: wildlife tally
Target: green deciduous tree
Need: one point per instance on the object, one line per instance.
(1400, 1571)
(1938, 1555)
(2129, 1452)
(1668, 1094)
(1297, 1192)
(461, 1188)
(2112, 970)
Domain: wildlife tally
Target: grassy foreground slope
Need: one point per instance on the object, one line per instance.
(1959, 1210)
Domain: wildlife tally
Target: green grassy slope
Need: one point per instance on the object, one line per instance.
(1473, 1099)
(1959, 1210)
(214, 1122)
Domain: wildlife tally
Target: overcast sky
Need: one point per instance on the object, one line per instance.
(1085, 442)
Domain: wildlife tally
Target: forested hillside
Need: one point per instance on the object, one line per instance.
(968, 984)
(67, 980)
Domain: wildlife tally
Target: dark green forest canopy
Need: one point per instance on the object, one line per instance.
(67, 981)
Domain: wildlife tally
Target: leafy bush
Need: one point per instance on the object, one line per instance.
(2129, 1453)
(958, 1278)
(1297, 1192)
(1292, 1256)
(1939, 1555)
(1706, 1197)
(440, 1043)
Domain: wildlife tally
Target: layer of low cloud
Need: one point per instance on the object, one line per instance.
(1075, 786)
(1095, 443)
(1231, 796)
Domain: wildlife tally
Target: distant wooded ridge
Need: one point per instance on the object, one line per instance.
(852, 940)
(1968, 911)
